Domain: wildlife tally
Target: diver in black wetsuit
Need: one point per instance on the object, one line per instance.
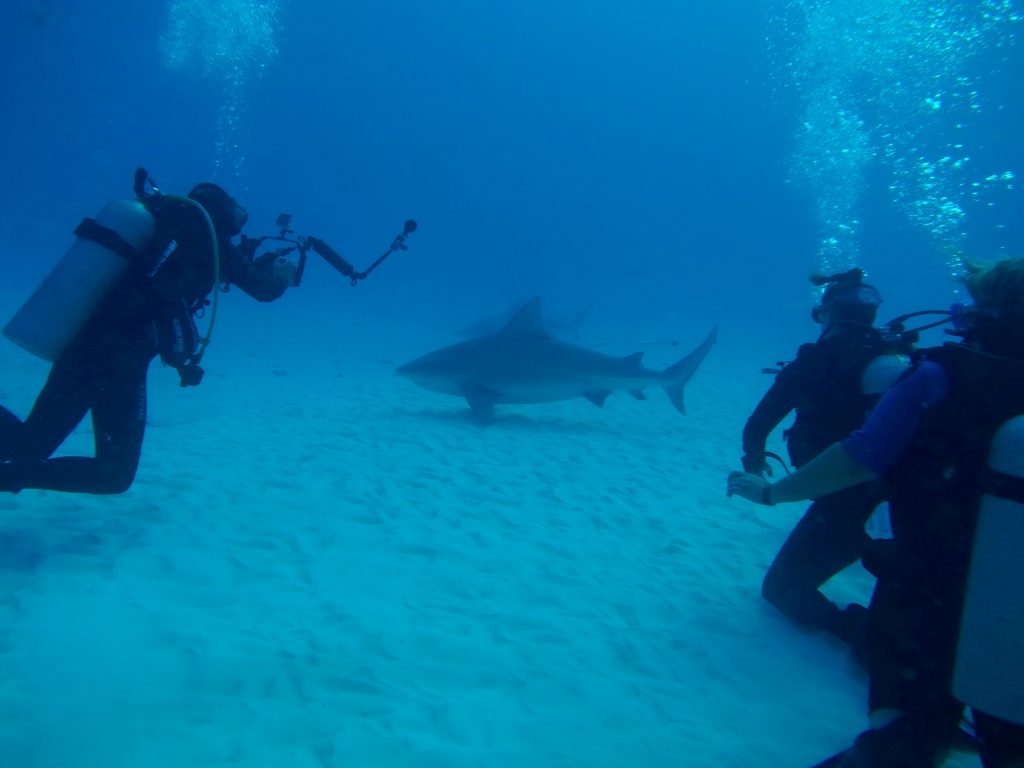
(149, 312)
(825, 386)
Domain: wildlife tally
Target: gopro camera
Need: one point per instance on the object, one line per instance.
(284, 223)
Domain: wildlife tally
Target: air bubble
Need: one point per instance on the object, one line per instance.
(896, 61)
(228, 42)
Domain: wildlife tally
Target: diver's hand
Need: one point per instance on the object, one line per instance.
(248, 245)
(751, 487)
(286, 269)
(756, 465)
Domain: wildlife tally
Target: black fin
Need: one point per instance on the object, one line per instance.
(527, 321)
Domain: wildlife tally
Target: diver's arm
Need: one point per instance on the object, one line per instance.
(776, 404)
(832, 470)
(262, 278)
(866, 454)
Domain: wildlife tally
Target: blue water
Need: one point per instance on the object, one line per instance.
(671, 165)
(639, 158)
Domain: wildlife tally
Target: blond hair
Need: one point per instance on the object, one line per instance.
(999, 285)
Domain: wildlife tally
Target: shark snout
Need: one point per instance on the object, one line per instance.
(414, 371)
(412, 368)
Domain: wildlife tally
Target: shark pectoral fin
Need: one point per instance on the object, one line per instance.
(638, 394)
(481, 400)
(597, 398)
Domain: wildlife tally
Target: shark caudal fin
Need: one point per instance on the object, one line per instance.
(677, 375)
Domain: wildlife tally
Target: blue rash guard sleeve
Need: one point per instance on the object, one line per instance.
(889, 430)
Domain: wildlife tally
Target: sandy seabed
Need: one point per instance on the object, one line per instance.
(321, 565)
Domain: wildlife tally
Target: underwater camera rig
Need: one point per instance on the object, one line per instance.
(304, 245)
(145, 189)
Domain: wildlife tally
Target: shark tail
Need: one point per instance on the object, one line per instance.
(676, 376)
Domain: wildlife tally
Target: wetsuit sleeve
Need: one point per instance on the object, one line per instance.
(889, 430)
(776, 404)
(257, 278)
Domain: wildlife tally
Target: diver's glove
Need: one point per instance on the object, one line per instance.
(756, 464)
(248, 246)
(286, 270)
(277, 266)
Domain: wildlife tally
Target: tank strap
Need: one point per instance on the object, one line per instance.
(1003, 486)
(89, 229)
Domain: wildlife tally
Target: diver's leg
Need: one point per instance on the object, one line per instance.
(836, 761)
(60, 406)
(904, 742)
(119, 421)
(10, 433)
(912, 633)
(1000, 742)
(829, 538)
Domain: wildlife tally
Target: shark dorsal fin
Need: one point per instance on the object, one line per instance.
(635, 360)
(527, 321)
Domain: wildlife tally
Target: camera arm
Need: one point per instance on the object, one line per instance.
(333, 258)
(329, 255)
(304, 245)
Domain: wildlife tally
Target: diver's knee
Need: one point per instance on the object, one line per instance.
(774, 588)
(115, 480)
(894, 743)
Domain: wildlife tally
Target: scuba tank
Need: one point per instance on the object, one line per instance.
(878, 375)
(103, 249)
(882, 372)
(989, 672)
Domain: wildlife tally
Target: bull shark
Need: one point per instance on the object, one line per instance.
(522, 363)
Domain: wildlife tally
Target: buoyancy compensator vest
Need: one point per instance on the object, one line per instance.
(838, 381)
(958, 512)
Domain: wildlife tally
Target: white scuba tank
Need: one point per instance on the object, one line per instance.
(878, 376)
(882, 372)
(989, 673)
(59, 307)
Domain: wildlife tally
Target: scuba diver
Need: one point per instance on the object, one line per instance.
(832, 385)
(126, 291)
(945, 620)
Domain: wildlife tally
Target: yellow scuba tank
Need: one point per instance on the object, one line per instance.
(62, 303)
(989, 672)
